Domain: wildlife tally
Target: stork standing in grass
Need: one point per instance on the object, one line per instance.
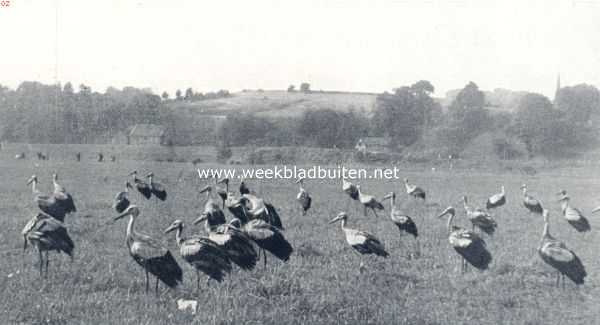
(405, 224)
(414, 190)
(368, 201)
(141, 186)
(303, 197)
(202, 254)
(257, 208)
(47, 203)
(467, 244)
(362, 242)
(266, 236)
(533, 205)
(223, 193)
(121, 201)
(62, 197)
(150, 254)
(497, 200)
(212, 214)
(480, 218)
(573, 216)
(157, 189)
(351, 190)
(556, 254)
(47, 234)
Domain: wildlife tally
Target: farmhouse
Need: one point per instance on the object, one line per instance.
(146, 134)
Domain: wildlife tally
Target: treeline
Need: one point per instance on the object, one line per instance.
(407, 116)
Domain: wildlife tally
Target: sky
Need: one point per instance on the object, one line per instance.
(348, 45)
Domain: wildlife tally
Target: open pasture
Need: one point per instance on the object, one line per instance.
(321, 284)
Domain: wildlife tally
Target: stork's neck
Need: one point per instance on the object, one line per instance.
(343, 224)
(150, 179)
(393, 203)
(178, 233)
(467, 208)
(34, 187)
(130, 230)
(564, 204)
(545, 233)
(449, 225)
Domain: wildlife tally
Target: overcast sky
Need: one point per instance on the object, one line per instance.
(354, 45)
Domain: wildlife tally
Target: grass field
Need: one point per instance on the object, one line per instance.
(321, 284)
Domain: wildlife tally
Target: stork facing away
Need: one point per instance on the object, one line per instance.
(368, 201)
(47, 234)
(157, 189)
(467, 244)
(141, 186)
(212, 214)
(62, 196)
(303, 197)
(533, 205)
(497, 200)
(266, 236)
(362, 242)
(202, 254)
(121, 201)
(414, 190)
(573, 216)
(556, 254)
(480, 218)
(405, 224)
(49, 203)
(150, 254)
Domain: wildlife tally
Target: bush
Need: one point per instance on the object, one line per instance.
(223, 153)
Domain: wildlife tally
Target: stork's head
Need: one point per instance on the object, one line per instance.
(562, 192)
(177, 224)
(564, 198)
(523, 186)
(449, 210)
(128, 185)
(405, 180)
(206, 188)
(340, 216)
(201, 218)
(132, 210)
(150, 174)
(133, 173)
(300, 180)
(54, 177)
(391, 195)
(32, 179)
(224, 180)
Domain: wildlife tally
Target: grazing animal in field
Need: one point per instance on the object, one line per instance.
(573, 216)
(150, 254)
(361, 241)
(556, 254)
(121, 201)
(414, 190)
(266, 236)
(47, 203)
(202, 254)
(212, 214)
(303, 197)
(157, 189)
(480, 218)
(47, 234)
(369, 201)
(62, 196)
(467, 244)
(496, 200)
(141, 186)
(405, 224)
(533, 205)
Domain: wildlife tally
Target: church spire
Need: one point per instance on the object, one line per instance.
(557, 86)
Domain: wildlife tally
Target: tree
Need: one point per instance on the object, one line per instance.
(189, 94)
(291, 89)
(305, 87)
(578, 102)
(165, 95)
(178, 95)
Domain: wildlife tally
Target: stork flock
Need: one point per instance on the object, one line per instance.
(256, 228)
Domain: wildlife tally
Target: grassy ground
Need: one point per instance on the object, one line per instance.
(321, 283)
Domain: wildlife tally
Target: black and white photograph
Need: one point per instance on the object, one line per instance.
(299, 162)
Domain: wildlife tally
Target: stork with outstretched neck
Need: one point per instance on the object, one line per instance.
(212, 214)
(467, 244)
(150, 254)
(556, 254)
(223, 194)
(368, 201)
(157, 189)
(533, 205)
(573, 216)
(405, 224)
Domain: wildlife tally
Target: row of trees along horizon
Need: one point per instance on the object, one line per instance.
(408, 116)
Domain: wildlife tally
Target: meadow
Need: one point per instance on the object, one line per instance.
(321, 284)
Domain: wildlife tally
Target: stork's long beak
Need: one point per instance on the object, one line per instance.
(206, 188)
(336, 219)
(122, 215)
(388, 196)
(596, 210)
(171, 228)
(24, 243)
(223, 181)
(150, 174)
(128, 185)
(132, 173)
(30, 181)
(202, 217)
(445, 212)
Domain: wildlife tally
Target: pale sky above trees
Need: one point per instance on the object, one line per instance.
(353, 45)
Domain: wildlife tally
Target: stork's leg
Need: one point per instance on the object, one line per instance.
(197, 280)
(156, 287)
(365, 210)
(41, 262)
(557, 279)
(417, 247)
(563, 281)
(147, 281)
(375, 212)
(47, 262)
(265, 256)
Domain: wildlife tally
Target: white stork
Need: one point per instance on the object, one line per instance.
(121, 201)
(47, 234)
(150, 254)
(257, 208)
(47, 203)
(141, 186)
(223, 193)
(212, 214)
(533, 205)
(351, 190)
(467, 244)
(303, 197)
(266, 236)
(556, 254)
(202, 254)
(496, 200)
(480, 218)
(404, 223)
(414, 190)
(573, 216)
(368, 201)
(157, 189)
(62, 196)
(362, 242)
